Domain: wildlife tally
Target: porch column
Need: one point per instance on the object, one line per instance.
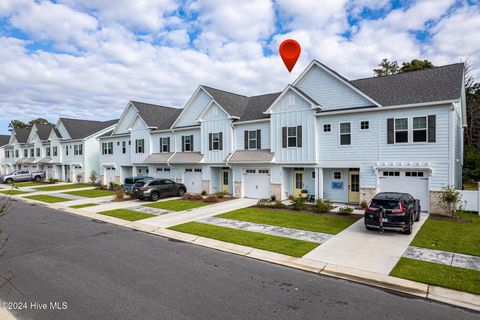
(319, 184)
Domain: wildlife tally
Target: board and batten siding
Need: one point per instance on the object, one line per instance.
(155, 141)
(196, 139)
(126, 119)
(292, 110)
(330, 92)
(458, 158)
(140, 131)
(193, 109)
(118, 157)
(240, 134)
(215, 120)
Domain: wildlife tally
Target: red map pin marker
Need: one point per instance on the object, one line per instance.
(290, 51)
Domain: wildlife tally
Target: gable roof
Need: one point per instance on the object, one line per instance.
(43, 130)
(22, 134)
(79, 129)
(159, 117)
(4, 139)
(428, 85)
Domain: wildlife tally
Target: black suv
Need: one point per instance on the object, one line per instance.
(392, 211)
(153, 189)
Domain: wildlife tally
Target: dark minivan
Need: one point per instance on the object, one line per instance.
(155, 188)
(392, 211)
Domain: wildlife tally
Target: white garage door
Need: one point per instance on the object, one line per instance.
(257, 183)
(193, 180)
(413, 182)
(109, 175)
(161, 172)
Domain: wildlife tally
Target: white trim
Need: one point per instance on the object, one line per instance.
(340, 134)
(321, 66)
(124, 111)
(313, 104)
(134, 119)
(205, 110)
(188, 104)
(250, 121)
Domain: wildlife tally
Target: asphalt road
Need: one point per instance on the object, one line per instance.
(103, 271)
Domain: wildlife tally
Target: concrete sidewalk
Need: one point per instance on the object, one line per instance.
(358, 248)
(172, 219)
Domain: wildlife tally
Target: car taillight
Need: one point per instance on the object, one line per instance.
(142, 188)
(370, 209)
(401, 210)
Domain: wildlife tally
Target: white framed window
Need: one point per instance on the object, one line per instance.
(197, 170)
(139, 145)
(391, 173)
(292, 136)
(32, 152)
(252, 139)
(345, 134)
(66, 150)
(419, 125)
(327, 127)
(55, 151)
(124, 147)
(414, 174)
(107, 147)
(77, 149)
(188, 170)
(216, 141)
(401, 130)
(250, 171)
(337, 175)
(263, 171)
(37, 152)
(166, 169)
(364, 125)
(48, 151)
(25, 153)
(187, 143)
(165, 144)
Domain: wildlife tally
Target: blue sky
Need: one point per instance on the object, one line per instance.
(87, 59)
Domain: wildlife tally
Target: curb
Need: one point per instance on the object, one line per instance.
(445, 295)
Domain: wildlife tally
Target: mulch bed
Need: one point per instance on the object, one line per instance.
(449, 218)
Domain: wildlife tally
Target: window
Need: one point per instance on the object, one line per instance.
(187, 143)
(391, 173)
(159, 169)
(198, 170)
(37, 152)
(216, 141)
(55, 151)
(124, 147)
(16, 153)
(7, 154)
(250, 171)
(327, 128)
(107, 147)
(48, 151)
(66, 150)
(129, 142)
(420, 129)
(337, 175)
(188, 170)
(401, 130)
(166, 169)
(292, 137)
(345, 134)
(364, 125)
(252, 139)
(32, 152)
(264, 171)
(140, 146)
(313, 174)
(165, 144)
(25, 153)
(414, 173)
(77, 149)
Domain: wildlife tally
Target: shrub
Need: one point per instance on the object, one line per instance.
(323, 206)
(204, 193)
(265, 203)
(278, 205)
(291, 197)
(364, 204)
(79, 177)
(450, 200)
(299, 203)
(211, 198)
(119, 193)
(192, 196)
(273, 197)
(345, 210)
(93, 177)
(220, 194)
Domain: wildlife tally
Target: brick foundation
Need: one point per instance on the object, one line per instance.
(367, 194)
(206, 186)
(237, 189)
(435, 203)
(276, 190)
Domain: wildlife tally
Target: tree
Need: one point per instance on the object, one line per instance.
(450, 200)
(38, 121)
(18, 124)
(415, 65)
(386, 68)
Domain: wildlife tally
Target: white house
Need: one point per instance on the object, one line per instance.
(4, 151)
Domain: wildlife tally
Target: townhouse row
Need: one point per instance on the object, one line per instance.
(323, 136)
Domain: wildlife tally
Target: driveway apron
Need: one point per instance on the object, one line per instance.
(356, 247)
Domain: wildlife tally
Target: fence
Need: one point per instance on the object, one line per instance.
(472, 197)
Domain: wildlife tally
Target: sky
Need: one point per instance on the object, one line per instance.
(87, 59)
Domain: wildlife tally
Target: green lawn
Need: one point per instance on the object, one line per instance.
(64, 187)
(29, 184)
(438, 274)
(470, 185)
(298, 220)
(125, 214)
(91, 193)
(291, 247)
(453, 236)
(47, 198)
(13, 192)
(85, 205)
(177, 205)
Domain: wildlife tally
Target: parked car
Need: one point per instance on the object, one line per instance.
(22, 175)
(129, 182)
(155, 188)
(398, 211)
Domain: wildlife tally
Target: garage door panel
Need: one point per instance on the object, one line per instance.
(257, 184)
(193, 182)
(415, 185)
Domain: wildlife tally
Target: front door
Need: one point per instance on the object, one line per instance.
(353, 186)
(225, 181)
(297, 183)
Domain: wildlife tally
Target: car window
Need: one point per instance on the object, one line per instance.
(168, 181)
(154, 183)
(140, 183)
(129, 181)
(385, 204)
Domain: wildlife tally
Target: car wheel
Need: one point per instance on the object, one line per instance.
(155, 196)
(9, 181)
(408, 229)
(181, 191)
(37, 178)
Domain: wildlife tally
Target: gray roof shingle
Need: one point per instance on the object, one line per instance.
(22, 134)
(429, 85)
(43, 130)
(79, 129)
(160, 117)
(4, 139)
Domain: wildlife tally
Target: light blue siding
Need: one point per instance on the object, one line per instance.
(196, 139)
(215, 120)
(193, 109)
(140, 131)
(330, 92)
(458, 158)
(155, 141)
(265, 134)
(126, 119)
(338, 195)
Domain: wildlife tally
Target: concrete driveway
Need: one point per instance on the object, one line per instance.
(172, 219)
(356, 247)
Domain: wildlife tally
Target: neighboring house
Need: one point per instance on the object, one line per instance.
(38, 147)
(5, 150)
(21, 151)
